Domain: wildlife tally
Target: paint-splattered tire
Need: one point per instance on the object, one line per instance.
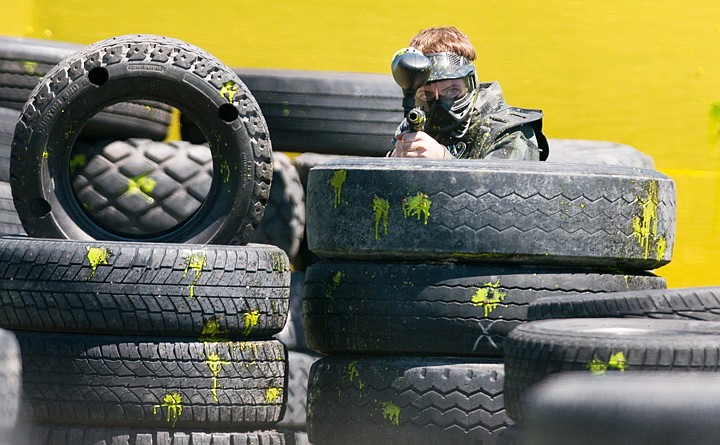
(57, 434)
(530, 212)
(542, 348)
(9, 222)
(324, 112)
(10, 382)
(405, 401)
(155, 68)
(574, 151)
(132, 288)
(24, 61)
(695, 303)
(146, 382)
(284, 222)
(628, 409)
(434, 309)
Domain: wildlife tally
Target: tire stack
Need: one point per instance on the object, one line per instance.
(429, 265)
(131, 334)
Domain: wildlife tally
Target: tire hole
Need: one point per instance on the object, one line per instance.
(227, 112)
(98, 76)
(40, 207)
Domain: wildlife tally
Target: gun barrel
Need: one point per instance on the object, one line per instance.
(416, 119)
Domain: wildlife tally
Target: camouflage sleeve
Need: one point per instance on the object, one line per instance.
(519, 145)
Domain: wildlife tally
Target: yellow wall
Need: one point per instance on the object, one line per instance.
(645, 73)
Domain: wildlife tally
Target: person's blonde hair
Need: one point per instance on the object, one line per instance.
(441, 39)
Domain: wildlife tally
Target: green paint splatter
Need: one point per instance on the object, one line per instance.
(97, 256)
(45, 154)
(418, 205)
(225, 171)
(228, 91)
(195, 261)
(645, 226)
(337, 182)
(77, 161)
(211, 331)
(30, 67)
(381, 208)
(488, 297)
(215, 363)
(141, 185)
(251, 320)
(617, 361)
(172, 401)
(272, 394)
(353, 373)
(597, 366)
(335, 282)
(391, 412)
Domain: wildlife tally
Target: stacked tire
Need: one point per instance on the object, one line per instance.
(129, 332)
(428, 267)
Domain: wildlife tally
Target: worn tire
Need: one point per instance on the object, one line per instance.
(573, 151)
(130, 381)
(284, 222)
(156, 68)
(695, 303)
(143, 288)
(324, 112)
(24, 61)
(434, 309)
(635, 408)
(399, 400)
(539, 349)
(9, 222)
(531, 212)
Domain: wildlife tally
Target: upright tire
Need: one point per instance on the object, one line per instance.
(155, 68)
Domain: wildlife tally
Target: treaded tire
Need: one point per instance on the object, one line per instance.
(694, 303)
(283, 224)
(597, 152)
(153, 68)
(143, 288)
(322, 111)
(538, 349)
(635, 408)
(399, 401)
(530, 212)
(55, 434)
(24, 61)
(10, 382)
(9, 222)
(434, 309)
(129, 381)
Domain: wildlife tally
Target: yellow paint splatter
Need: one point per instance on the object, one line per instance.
(645, 226)
(597, 366)
(418, 205)
(97, 256)
(272, 394)
(45, 154)
(335, 282)
(30, 67)
(353, 373)
(488, 297)
(141, 185)
(391, 412)
(251, 320)
(617, 361)
(211, 331)
(228, 91)
(77, 161)
(381, 208)
(337, 182)
(195, 261)
(215, 363)
(172, 401)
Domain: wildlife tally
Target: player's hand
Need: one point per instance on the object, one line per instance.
(417, 145)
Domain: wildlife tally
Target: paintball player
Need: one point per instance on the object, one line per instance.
(449, 114)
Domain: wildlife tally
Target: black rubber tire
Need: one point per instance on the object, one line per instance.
(322, 111)
(293, 333)
(434, 309)
(577, 215)
(24, 61)
(538, 349)
(635, 408)
(573, 151)
(10, 382)
(154, 68)
(299, 365)
(137, 382)
(56, 434)
(284, 222)
(9, 222)
(238, 292)
(695, 303)
(397, 400)
(8, 120)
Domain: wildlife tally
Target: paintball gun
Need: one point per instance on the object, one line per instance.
(411, 69)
